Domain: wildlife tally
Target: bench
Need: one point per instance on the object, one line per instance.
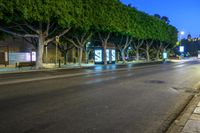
(25, 64)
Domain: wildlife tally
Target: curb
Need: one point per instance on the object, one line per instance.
(77, 67)
(184, 122)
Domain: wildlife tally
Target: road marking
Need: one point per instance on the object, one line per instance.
(182, 65)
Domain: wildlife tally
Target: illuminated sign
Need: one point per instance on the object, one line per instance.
(181, 48)
(107, 54)
(164, 55)
(98, 55)
(33, 56)
(113, 55)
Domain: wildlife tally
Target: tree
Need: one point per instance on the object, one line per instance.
(122, 45)
(64, 47)
(106, 21)
(165, 19)
(40, 22)
(2, 36)
(79, 40)
(81, 32)
(43, 20)
(157, 16)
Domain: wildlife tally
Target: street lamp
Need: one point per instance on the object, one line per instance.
(87, 51)
(181, 48)
(181, 34)
(57, 42)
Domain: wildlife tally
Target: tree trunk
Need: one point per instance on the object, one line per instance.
(137, 55)
(80, 56)
(123, 56)
(105, 54)
(147, 54)
(86, 57)
(65, 58)
(40, 50)
(158, 55)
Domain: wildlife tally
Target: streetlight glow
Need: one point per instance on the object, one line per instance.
(182, 32)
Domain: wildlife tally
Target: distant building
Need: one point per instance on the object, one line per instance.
(189, 37)
(191, 45)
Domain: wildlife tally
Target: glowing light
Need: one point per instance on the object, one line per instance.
(182, 32)
(108, 54)
(181, 48)
(164, 55)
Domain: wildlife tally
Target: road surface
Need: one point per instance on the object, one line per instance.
(101, 99)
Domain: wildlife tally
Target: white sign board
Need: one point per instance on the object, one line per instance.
(98, 55)
(113, 55)
(21, 57)
(108, 54)
(181, 48)
(33, 56)
(164, 55)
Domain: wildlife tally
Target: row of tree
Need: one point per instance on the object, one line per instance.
(80, 21)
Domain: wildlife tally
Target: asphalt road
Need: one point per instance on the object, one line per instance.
(102, 99)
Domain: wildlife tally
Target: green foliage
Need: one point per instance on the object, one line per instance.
(62, 12)
(104, 16)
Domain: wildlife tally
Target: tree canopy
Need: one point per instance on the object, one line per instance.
(46, 19)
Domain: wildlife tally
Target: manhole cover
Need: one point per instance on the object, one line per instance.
(155, 81)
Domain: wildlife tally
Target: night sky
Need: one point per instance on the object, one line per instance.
(183, 14)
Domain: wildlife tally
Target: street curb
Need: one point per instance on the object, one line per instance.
(78, 67)
(179, 122)
(42, 70)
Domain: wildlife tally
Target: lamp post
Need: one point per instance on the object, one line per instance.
(87, 51)
(181, 34)
(181, 47)
(57, 42)
(46, 53)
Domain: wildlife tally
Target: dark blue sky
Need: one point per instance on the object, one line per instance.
(184, 14)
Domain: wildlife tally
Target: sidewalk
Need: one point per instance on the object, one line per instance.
(49, 66)
(193, 123)
(189, 120)
(52, 66)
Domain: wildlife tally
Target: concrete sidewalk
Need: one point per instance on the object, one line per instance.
(193, 123)
(188, 120)
(49, 66)
(53, 66)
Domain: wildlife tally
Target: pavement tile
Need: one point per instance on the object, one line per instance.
(195, 117)
(197, 110)
(192, 126)
(198, 105)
